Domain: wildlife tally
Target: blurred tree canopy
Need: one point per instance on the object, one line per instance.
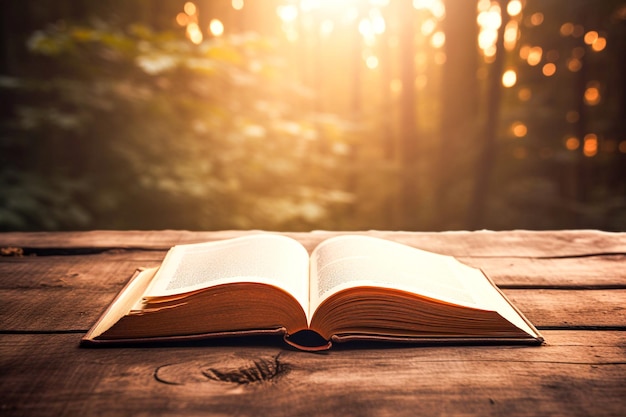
(277, 115)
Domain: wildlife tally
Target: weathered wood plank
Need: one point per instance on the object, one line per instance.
(571, 308)
(577, 373)
(606, 271)
(461, 243)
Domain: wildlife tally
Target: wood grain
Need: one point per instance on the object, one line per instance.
(578, 373)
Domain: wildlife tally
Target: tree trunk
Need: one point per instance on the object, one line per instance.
(460, 111)
(485, 160)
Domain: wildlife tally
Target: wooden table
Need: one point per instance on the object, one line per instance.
(570, 284)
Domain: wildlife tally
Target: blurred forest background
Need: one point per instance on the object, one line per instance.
(313, 114)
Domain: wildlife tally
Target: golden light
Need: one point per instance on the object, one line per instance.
(536, 19)
(524, 51)
(534, 56)
(489, 19)
(524, 94)
(237, 4)
(490, 53)
(483, 5)
(572, 143)
(519, 129)
(194, 33)
(590, 145)
(216, 27)
(371, 62)
(567, 29)
(599, 44)
(509, 78)
(440, 58)
(428, 27)
(190, 8)
(574, 64)
(436, 7)
(510, 35)
(327, 27)
(549, 69)
(514, 8)
(366, 29)
(378, 21)
(438, 39)
(591, 37)
(182, 19)
(592, 96)
(421, 81)
(487, 39)
(287, 13)
(395, 86)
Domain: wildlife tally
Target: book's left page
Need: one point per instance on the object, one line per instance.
(264, 258)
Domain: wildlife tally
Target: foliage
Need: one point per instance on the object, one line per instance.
(139, 129)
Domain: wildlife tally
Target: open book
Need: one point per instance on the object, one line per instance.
(351, 287)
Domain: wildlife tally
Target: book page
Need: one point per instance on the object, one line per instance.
(350, 261)
(265, 258)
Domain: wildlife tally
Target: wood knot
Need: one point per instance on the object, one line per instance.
(260, 370)
(239, 369)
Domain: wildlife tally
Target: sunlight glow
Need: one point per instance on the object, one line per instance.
(428, 27)
(599, 44)
(287, 13)
(591, 37)
(190, 8)
(536, 19)
(590, 145)
(574, 64)
(438, 39)
(436, 7)
(371, 62)
(514, 8)
(549, 69)
(326, 17)
(592, 95)
(395, 86)
(519, 129)
(567, 29)
(509, 78)
(216, 27)
(182, 19)
(534, 56)
(489, 20)
(237, 4)
(511, 32)
(194, 33)
(572, 143)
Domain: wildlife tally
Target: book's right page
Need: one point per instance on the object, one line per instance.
(352, 260)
